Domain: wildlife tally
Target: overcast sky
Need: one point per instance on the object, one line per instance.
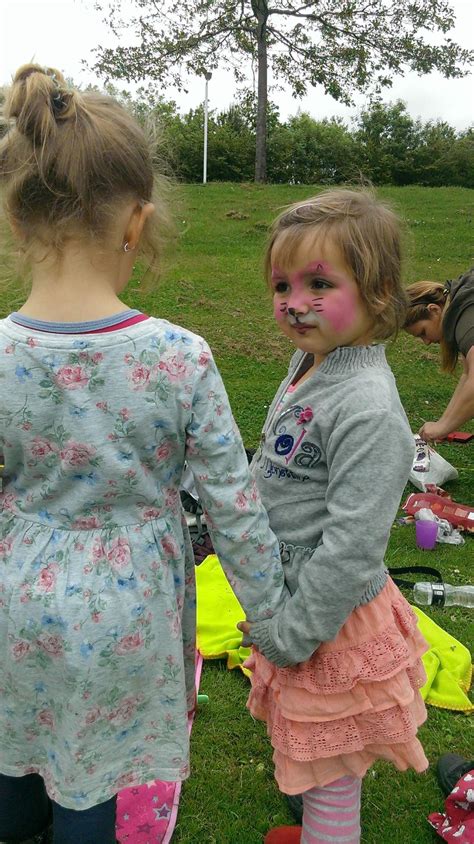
(63, 32)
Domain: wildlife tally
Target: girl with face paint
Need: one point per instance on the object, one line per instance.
(336, 672)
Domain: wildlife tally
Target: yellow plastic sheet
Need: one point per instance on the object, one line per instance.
(447, 663)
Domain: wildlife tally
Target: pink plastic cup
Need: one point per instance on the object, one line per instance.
(426, 533)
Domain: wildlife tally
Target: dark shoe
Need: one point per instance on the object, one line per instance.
(450, 769)
(295, 802)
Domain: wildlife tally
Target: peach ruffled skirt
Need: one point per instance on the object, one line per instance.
(354, 701)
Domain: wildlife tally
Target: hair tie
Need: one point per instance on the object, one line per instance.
(58, 104)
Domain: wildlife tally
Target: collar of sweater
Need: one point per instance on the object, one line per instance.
(347, 359)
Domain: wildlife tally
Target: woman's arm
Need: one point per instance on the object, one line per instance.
(460, 408)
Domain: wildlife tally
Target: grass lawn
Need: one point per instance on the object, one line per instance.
(214, 286)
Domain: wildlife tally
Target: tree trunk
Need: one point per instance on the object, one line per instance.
(260, 9)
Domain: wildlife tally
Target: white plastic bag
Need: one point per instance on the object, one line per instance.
(438, 473)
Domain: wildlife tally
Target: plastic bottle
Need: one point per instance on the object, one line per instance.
(443, 594)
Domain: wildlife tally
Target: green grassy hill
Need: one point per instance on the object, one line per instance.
(214, 286)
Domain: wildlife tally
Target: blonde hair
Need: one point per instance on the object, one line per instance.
(421, 294)
(69, 158)
(368, 234)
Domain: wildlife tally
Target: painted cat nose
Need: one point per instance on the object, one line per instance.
(295, 312)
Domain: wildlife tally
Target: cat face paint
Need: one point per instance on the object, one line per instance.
(316, 292)
(316, 300)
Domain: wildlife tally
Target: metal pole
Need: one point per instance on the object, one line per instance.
(204, 168)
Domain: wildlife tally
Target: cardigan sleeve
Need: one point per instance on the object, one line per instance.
(237, 521)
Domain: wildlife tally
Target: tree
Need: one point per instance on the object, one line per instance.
(343, 45)
(389, 139)
(308, 151)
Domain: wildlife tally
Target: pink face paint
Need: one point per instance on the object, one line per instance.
(336, 303)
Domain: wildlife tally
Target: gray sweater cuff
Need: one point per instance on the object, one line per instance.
(261, 636)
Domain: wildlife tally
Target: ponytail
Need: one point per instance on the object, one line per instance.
(421, 294)
(70, 158)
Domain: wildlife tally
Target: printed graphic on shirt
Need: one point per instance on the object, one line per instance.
(291, 443)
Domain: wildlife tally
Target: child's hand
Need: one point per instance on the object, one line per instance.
(244, 626)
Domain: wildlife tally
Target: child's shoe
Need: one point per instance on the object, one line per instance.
(284, 835)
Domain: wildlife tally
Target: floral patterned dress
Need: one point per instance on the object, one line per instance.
(97, 590)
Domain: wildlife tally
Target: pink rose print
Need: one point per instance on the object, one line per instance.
(93, 715)
(51, 645)
(41, 448)
(124, 780)
(174, 621)
(175, 367)
(129, 643)
(47, 578)
(124, 711)
(163, 451)
(171, 497)
(45, 717)
(151, 513)
(97, 357)
(140, 376)
(5, 546)
(98, 551)
(31, 342)
(254, 492)
(76, 454)
(204, 358)
(8, 502)
(71, 377)
(119, 553)
(306, 415)
(102, 405)
(170, 546)
(20, 649)
(241, 501)
(124, 414)
(87, 523)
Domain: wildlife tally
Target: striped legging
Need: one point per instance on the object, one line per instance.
(331, 815)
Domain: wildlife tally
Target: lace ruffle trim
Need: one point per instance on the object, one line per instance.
(329, 672)
(308, 741)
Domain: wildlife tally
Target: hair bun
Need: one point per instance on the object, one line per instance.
(38, 98)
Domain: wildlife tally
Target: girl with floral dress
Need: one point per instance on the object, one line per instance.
(101, 405)
(336, 672)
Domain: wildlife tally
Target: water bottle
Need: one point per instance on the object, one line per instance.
(443, 595)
